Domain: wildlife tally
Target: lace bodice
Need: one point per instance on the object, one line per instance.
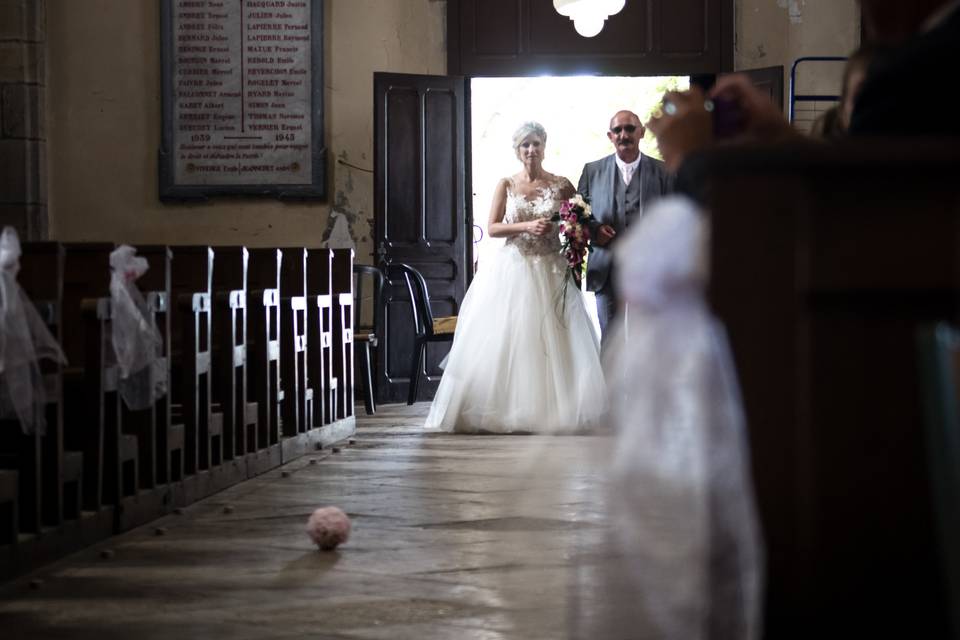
(522, 209)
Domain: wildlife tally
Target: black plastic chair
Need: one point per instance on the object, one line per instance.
(939, 350)
(365, 333)
(427, 327)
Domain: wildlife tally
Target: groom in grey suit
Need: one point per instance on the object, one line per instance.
(618, 188)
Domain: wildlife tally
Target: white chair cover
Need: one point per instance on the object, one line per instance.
(24, 340)
(136, 341)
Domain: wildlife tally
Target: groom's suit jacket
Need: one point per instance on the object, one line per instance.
(598, 184)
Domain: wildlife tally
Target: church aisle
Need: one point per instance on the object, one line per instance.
(454, 537)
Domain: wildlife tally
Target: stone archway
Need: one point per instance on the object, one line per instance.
(23, 188)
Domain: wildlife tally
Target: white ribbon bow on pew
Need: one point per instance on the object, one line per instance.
(680, 488)
(137, 343)
(24, 340)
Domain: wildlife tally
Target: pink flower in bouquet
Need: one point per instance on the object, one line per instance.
(328, 527)
(573, 217)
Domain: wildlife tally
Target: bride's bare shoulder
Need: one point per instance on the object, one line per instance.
(504, 185)
(564, 185)
(555, 179)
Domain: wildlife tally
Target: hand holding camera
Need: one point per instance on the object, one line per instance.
(691, 120)
(742, 109)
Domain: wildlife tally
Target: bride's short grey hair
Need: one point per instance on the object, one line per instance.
(527, 129)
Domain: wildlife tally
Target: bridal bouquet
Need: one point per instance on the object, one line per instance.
(573, 217)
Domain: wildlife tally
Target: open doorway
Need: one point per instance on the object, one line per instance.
(575, 111)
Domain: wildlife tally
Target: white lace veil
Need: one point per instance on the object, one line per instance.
(24, 340)
(136, 341)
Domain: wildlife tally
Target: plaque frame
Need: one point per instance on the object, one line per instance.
(171, 191)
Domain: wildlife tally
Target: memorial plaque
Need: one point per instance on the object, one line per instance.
(242, 98)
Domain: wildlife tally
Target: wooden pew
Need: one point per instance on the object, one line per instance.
(320, 334)
(21, 460)
(120, 460)
(63, 516)
(157, 438)
(825, 261)
(222, 331)
(342, 293)
(41, 276)
(166, 437)
(92, 408)
(230, 352)
(149, 425)
(191, 380)
(297, 407)
(40, 461)
(9, 523)
(264, 357)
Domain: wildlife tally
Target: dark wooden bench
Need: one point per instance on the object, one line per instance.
(342, 301)
(191, 378)
(226, 409)
(129, 437)
(158, 440)
(297, 406)
(824, 262)
(9, 521)
(51, 476)
(320, 334)
(150, 425)
(167, 437)
(91, 402)
(230, 352)
(263, 353)
(56, 512)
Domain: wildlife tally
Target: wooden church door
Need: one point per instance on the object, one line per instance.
(422, 214)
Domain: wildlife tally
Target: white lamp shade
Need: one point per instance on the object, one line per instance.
(588, 15)
(588, 25)
(565, 7)
(615, 6)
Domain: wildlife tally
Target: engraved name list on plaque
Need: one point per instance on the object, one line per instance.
(242, 98)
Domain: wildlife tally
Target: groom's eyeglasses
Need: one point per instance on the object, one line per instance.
(629, 128)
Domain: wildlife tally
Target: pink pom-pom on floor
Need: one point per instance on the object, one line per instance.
(328, 527)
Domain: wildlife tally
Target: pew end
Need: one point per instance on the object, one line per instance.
(824, 260)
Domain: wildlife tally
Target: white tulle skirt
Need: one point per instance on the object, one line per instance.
(525, 356)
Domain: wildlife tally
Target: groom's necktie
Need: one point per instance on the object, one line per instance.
(627, 174)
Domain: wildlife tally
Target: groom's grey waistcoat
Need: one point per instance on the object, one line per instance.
(627, 199)
(618, 205)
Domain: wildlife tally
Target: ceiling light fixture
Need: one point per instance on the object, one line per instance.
(588, 15)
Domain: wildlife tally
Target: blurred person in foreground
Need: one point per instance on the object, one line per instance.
(688, 549)
(835, 122)
(922, 49)
(854, 73)
(922, 46)
(828, 126)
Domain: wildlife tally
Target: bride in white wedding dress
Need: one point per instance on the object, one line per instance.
(525, 357)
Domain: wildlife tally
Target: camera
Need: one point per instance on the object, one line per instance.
(729, 120)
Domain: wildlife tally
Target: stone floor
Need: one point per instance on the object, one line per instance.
(459, 537)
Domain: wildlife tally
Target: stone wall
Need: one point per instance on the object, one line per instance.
(105, 126)
(777, 32)
(104, 118)
(23, 186)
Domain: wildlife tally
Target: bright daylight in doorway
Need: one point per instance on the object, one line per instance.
(575, 111)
